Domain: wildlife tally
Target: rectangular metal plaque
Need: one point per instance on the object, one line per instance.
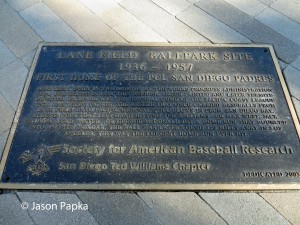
(160, 117)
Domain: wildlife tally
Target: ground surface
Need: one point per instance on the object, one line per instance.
(25, 23)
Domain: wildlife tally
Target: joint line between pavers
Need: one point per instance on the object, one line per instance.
(291, 64)
(166, 10)
(1, 93)
(195, 31)
(193, 28)
(151, 210)
(75, 192)
(251, 39)
(274, 208)
(64, 22)
(186, 8)
(10, 51)
(287, 83)
(11, 107)
(273, 29)
(296, 98)
(112, 28)
(212, 208)
(22, 56)
(224, 24)
(282, 14)
(83, 5)
(27, 211)
(28, 25)
(22, 7)
(143, 23)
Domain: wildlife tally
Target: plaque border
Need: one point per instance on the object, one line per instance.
(146, 186)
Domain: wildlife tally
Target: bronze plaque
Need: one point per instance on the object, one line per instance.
(160, 117)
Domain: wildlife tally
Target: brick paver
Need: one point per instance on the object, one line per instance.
(291, 10)
(172, 6)
(180, 208)
(118, 208)
(3, 138)
(192, 1)
(13, 77)
(127, 25)
(288, 204)
(57, 211)
(11, 212)
(292, 77)
(250, 7)
(99, 6)
(6, 56)
(15, 33)
(282, 64)
(6, 113)
(48, 25)
(161, 21)
(280, 23)
(210, 27)
(296, 63)
(88, 25)
(28, 58)
(286, 49)
(268, 2)
(19, 5)
(244, 208)
(296, 103)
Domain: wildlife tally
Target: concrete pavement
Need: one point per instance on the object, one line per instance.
(25, 23)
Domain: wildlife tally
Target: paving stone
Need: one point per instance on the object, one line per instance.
(249, 208)
(13, 77)
(3, 138)
(11, 212)
(172, 6)
(15, 33)
(48, 25)
(290, 9)
(250, 7)
(192, 1)
(296, 63)
(292, 78)
(19, 5)
(280, 23)
(297, 107)
(28, 58)
(118, 208)
(6, 56)
(128, 26)
(288, 204)
(180, 208)
(210, 27)
(7, 115)
(268, 2)
(90, 26)
(282, 64)
(56, 214)
(162, 22)
(99, 6)
(286, 49)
